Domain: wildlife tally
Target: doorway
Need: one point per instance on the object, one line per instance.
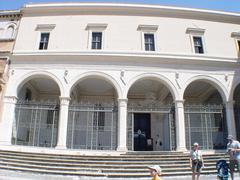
(142, 132)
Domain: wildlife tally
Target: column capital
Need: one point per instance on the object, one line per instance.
(10, 99)
(122, 99)
(64, 100)
(231, 102)
(122, 102)
(180, 101)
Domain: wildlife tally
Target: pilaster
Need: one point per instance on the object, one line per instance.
(180, 126)
(63, 122)
(122, 125)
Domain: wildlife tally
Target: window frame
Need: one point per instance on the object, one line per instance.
(197, 32)
(148, 29)
(44, 28)
(96, 28)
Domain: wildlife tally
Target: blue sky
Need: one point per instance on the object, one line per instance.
(223, 5)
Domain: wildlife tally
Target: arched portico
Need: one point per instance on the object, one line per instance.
(205, 120)
(36, 112)
(236, 106)
(151, 121)
(92, 117)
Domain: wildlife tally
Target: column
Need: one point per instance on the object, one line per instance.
(180, 126)
(63, 122)
(122, 125)
(230, 118)
(8, 116)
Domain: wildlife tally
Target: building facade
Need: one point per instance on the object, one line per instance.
(8, 29)
(122, 77)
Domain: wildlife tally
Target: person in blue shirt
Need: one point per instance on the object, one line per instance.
(233, 149)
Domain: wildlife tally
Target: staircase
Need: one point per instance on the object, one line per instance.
(126, 165)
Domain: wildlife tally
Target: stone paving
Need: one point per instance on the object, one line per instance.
(16, 175)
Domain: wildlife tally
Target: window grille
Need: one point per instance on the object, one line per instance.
(35, 124)
(198, 45)
(149, 42)
(96, 40)
(43, 45)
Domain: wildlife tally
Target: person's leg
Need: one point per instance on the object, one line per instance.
(231, 167)
(198, 175)
(193, 176)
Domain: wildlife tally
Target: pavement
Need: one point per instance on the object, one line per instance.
(17, 175)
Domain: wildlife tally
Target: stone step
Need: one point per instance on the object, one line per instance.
(91, 163)
(99, 173)
(125, 165)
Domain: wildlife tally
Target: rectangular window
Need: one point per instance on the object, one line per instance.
(96, 40)
(149, 42)
(238, 43)
(198, 45)
(44, 41)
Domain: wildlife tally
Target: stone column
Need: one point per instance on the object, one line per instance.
(63, 122)
(180, 126)
(122, 125)
(8, 116)
(230, 118)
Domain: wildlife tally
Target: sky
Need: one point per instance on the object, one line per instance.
(222, 5)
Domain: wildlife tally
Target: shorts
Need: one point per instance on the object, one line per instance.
(196, 166)
(233, 164)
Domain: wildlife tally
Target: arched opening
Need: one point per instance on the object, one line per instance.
(205, 120)
(236, 98)
(92, 118)
(36, 113)
(150, 123)
(9, 32)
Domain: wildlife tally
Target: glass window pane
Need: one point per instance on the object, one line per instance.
(44, 41)
(96, 40)
(149, 42)
(198, 45)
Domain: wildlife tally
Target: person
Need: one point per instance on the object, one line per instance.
(233, 149)
(158, 143)
(155, 172)
(196, 161)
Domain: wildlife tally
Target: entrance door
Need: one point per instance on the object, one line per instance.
(142, 131)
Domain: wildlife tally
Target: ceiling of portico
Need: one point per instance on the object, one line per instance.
(94, 86)
(200, 91)
(43, 85)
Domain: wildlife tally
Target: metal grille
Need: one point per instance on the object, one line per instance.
(35, 124)
(237, 119)
(206, 125)
(92, 126)
(168, 110)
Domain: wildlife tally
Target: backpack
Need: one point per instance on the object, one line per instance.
(222, 169)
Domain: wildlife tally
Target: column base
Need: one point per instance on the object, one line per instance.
(60, 147)
(122, 149)
(181, 149)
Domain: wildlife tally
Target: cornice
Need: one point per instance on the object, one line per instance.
(10, 14)
(155, 56)
(130, 9)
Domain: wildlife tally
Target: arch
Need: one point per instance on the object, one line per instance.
(10, 30)
(101, 75)
(213, 81)
(22, 80)
(164, 80)
(233, 89)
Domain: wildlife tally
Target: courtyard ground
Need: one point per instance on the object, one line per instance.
(16, 175)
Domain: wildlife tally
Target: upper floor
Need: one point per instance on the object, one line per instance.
(9, 21)
(128, 29)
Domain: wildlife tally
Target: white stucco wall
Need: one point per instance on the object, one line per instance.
(121, 34)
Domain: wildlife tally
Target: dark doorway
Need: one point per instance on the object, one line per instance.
(142, 132)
